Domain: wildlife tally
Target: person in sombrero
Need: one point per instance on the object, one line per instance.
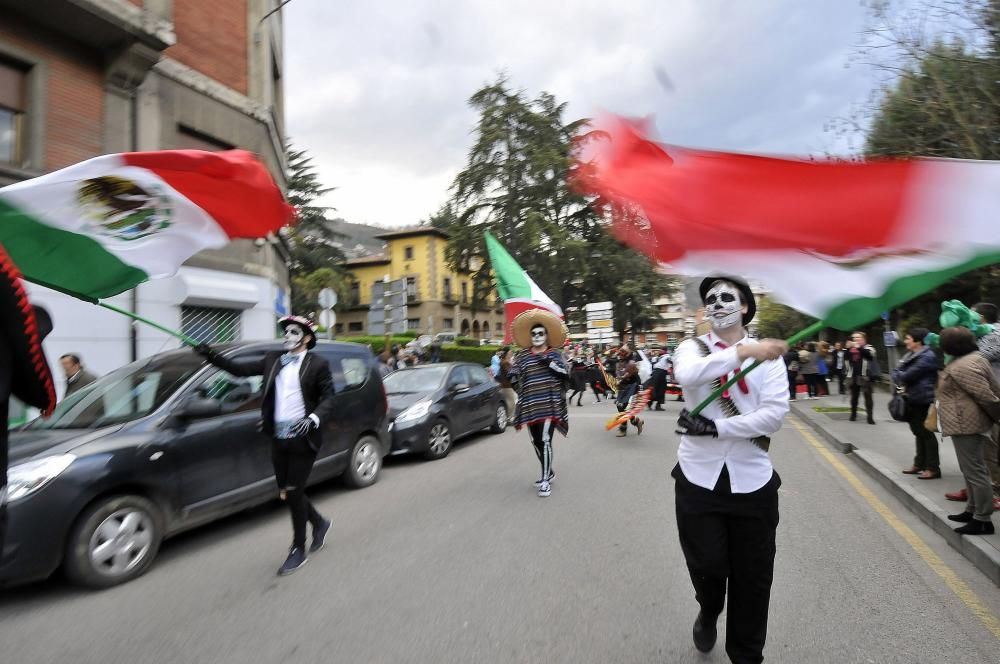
(540, 373)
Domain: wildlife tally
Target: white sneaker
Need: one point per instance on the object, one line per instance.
(544, 490)
(552, 478)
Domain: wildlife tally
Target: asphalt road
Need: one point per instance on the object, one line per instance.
(458, 560)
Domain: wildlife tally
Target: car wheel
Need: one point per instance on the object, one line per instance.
(500, 421)
(365, 463)
(114, 541)
(438, 440)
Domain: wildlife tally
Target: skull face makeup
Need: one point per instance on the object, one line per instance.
(723, 305)
(295, 338)
(539, 336)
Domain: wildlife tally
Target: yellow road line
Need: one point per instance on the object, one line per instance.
(957, 586)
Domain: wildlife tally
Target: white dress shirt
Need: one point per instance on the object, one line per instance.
(662, 362)
(762, 409)
(288, 404)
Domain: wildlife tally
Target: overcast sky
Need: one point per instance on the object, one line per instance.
(377, 92)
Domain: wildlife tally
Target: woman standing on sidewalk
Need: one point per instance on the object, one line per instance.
(968, 407)
(917, 373)
(809, 371)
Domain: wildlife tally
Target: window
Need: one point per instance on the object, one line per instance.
(13, 104)
(449, 323)
(412, 323)
(210, 325)
(458, 376)
(349, 371)
(355, 327)
(447, 289)
(338, 328)
(355, 293)
(408, 253)
(478, 376)
(234, 394)
(411, 289)
(191, 139)
(465, 292)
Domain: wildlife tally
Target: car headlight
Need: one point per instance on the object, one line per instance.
(26, 478)
(417, 411)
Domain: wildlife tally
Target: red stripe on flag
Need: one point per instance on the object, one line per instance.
(696, 200)
(232, 187)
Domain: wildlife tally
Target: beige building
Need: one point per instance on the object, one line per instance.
(438, 299)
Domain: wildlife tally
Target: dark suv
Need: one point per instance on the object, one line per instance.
(162, 445)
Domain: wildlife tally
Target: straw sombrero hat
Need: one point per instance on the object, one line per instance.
(520, 329)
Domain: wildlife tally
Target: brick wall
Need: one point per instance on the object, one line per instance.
(212, 38)
(74, 92)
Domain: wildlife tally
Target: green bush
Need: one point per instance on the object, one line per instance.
(378, 343)
(467, 341)
(479, 354)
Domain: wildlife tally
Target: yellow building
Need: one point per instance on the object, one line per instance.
(438, 299)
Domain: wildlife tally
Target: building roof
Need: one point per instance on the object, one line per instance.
(377, 259)
(411, 231)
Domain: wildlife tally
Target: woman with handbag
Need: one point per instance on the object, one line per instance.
(967, 408)
(916, 375)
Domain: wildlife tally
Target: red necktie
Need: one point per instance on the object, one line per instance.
(742, 383)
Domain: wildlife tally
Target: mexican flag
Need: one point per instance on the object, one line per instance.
(842, 241)
(103, 226)
(517, 290)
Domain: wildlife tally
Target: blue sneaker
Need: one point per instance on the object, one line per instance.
(296, 559)
(319, 536)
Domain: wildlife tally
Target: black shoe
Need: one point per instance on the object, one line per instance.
(854, 417)
(976, 528)
(964, 517)
(319, 536)
(705, 632)
(296, 559)
(870, 421)
(659, 408)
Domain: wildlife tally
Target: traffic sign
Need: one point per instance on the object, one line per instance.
(328, 298)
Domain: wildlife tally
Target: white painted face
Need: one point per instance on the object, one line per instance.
(295, 337)
(723, 305)
(539, 336)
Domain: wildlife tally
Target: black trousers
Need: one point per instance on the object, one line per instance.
(293, 460)
(926, 457)
(869, 404)
(541, 440)
(729, 539)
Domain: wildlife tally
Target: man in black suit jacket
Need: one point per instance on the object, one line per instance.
(298, 398)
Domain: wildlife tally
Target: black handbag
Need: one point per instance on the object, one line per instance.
(899, 407)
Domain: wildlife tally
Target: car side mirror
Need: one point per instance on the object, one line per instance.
(197, 408)
(458, 388)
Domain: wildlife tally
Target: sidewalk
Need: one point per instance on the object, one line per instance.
(883, 451)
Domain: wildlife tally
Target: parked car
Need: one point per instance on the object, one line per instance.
(432, 405)
(163, 445)
(446, 337)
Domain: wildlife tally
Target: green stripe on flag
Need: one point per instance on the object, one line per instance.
(511, 279)
(94, 272)
(857, 312)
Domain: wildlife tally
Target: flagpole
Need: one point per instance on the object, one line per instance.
(795, 338)
(124, 312)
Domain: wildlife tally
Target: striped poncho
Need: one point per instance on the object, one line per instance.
(541, 391)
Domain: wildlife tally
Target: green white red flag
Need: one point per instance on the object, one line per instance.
(841, 241)
(103, 226)
(518, 291)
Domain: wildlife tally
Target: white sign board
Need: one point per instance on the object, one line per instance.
(328, 298)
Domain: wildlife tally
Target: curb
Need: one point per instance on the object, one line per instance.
(985, 557)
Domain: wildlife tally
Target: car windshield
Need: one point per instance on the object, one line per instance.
(422, 379)
(123, 395)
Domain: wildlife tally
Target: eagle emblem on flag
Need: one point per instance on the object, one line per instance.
(122, 209)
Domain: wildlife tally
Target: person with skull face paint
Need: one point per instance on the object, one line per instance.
(539, 373)
(298, 399)
(725, 486)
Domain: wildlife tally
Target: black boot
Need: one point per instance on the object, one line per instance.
(964, 517)
(705, 632)
(976, 528)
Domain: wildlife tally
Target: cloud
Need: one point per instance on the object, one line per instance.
(377, 92)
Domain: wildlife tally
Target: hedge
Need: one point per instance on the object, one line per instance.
(478, 354)
(377, 343)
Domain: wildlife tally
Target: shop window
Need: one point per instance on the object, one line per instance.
(211, 325)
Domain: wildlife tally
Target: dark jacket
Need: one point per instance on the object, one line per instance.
(314, 377)
(82, 379)
(864, 369)
(917, 373)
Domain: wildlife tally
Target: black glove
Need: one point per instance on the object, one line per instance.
(304, 426)
(696, 425)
